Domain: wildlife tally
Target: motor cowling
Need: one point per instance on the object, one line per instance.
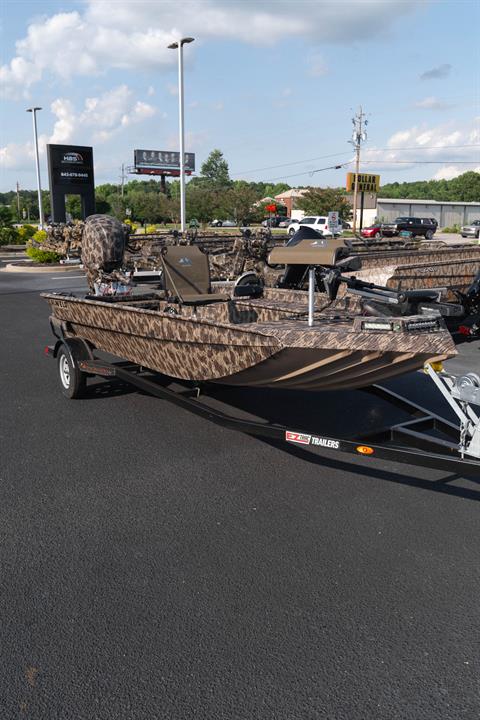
(103, 247)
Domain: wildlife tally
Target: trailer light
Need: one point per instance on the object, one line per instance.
(364, 450)
(437, 366)
(374, 325)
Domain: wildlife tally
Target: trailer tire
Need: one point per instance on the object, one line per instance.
(72, 381)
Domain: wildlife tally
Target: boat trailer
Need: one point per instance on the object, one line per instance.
(425, 439)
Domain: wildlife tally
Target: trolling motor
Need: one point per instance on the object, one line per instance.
(462, 318)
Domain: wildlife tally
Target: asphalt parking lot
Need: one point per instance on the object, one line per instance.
(154, 565)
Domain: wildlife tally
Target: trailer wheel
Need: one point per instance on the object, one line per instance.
(72, 381)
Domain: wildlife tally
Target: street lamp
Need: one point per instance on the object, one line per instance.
(33, 110)
(179, 46)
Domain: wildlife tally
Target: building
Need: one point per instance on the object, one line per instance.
(445, 213)
(288, 199)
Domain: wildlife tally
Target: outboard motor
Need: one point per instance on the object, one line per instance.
(103, 248)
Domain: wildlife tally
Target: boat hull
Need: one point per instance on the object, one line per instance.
(256, 348)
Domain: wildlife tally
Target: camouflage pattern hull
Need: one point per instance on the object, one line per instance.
(452, 268)
(263, 342)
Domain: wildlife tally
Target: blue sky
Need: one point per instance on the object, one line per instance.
(273, 84)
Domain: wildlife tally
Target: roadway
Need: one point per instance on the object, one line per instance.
(154, 565)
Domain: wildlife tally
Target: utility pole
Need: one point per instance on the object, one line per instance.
(123, 176)
(18, 201)
(359, 135)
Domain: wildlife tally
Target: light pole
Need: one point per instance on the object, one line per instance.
(179, 46)
(33, 110)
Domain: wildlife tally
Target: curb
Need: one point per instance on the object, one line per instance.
(10, 267)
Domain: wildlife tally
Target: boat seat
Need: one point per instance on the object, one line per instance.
(187, 276)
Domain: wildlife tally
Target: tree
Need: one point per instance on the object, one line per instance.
(214, 171)
(201, 203)
(239, 202)
(73, 206)
(6, 216)
(464, 188)
(148, 206)
(321, 201)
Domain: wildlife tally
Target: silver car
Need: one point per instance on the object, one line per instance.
(472, 230)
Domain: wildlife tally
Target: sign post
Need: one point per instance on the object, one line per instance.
(333, 222)
(70, 172)
(366, 182)
(270, 209)
(362, 183)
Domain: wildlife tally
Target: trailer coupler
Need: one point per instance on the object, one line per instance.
(460, 393)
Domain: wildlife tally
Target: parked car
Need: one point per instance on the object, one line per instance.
(416, 226)
(374, 231)
(284, 222)
(273, 221)
(317, 222)
(472, 230)
(223, 223)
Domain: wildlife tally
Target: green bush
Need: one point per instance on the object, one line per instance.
(452, 229)
(26, 232)
(9, 236)
(37, 254)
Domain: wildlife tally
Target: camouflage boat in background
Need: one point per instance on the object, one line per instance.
(450, 267)
(419, 265)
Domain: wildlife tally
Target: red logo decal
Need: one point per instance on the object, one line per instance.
(299, 438)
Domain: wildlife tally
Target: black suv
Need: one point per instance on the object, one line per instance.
(417, 226)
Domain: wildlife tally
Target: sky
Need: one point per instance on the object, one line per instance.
(273, 84)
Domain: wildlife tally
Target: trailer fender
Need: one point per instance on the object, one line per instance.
(78, 348)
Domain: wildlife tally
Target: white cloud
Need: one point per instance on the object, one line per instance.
(432, 103)
(14, 155)
(100, 118)
(151, 90)
(447, 172)
(444, 142)
(135, 35)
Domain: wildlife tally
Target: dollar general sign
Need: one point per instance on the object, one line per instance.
(366, 183)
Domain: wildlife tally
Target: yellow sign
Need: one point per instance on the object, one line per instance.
(366, 183)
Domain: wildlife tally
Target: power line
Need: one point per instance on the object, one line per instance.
(296, 162)
(373, 162)
(309, 172)
(323, 157)
(421, 162)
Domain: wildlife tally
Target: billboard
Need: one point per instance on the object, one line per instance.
(70, 172)
(366, 182)
(163, 161)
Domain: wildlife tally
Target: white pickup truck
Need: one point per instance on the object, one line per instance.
(317, 222)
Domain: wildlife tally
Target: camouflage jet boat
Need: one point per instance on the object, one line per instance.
(189, 332)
